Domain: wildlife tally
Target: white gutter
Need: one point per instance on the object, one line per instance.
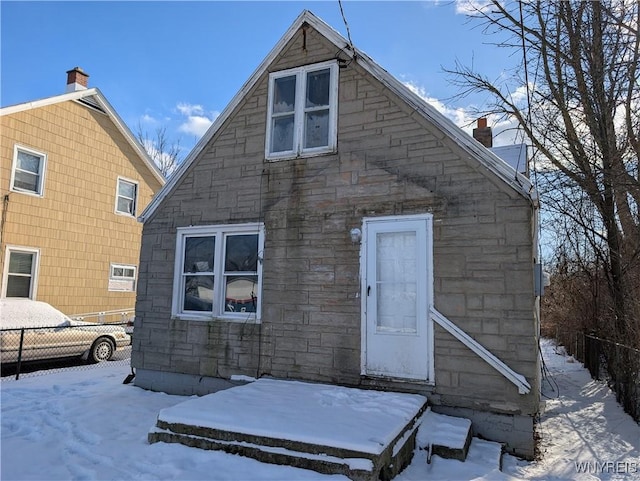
(517, 379)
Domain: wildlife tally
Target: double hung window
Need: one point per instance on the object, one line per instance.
(126, 197)
(302, 115)
(27, 175)
(218, 271)
(20, 272)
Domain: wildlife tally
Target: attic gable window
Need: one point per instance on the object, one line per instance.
(27, 175)
(302, 115)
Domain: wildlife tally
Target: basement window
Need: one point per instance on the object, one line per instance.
(302, 116)
(122, 278)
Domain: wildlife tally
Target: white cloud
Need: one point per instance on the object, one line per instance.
(505, 132)
(190, 109)
(148, 119)
(472, 7)
(460, 116)
(195, 125)
(197, 121)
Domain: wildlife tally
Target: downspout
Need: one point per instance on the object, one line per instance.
(3, 219)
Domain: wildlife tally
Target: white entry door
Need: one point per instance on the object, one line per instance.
(397, 291)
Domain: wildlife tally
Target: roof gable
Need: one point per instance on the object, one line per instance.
(491, 162)
(92, 98)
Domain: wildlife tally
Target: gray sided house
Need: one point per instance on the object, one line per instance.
(333, 227)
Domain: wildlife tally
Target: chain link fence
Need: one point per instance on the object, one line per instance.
(609, 361)
(88, 340)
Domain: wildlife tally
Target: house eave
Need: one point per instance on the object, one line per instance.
(104, 104)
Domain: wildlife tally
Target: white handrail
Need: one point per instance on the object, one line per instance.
(125, 315)
(518, 379)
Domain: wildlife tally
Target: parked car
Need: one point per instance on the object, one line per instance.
(49, 334)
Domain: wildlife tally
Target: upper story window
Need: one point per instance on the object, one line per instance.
(126, 197)
(218, 272)
(27, 175)
(302, 116)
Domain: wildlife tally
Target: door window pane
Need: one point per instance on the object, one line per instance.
(396, 275)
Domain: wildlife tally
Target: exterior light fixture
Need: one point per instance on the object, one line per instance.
(356, 235)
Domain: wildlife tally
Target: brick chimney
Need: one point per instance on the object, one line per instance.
(483, 133)
(76, 79)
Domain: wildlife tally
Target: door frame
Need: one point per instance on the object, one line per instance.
(366, 221)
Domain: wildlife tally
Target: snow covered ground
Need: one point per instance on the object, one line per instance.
(87, 425)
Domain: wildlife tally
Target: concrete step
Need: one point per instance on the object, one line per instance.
(362, 434)
(446, 436)
(488, 453)
(361, 468)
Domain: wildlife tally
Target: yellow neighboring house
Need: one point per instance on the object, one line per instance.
(73, 179)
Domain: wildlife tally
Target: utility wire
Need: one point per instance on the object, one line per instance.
(346, 24)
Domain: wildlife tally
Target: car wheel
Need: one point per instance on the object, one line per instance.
(102, 350)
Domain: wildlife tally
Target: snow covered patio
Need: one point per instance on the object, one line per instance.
(362, 434)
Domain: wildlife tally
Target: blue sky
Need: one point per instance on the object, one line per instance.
(178, 64)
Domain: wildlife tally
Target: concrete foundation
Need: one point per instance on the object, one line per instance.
(515, 432)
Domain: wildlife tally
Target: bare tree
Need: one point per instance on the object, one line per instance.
(162, 151)
(580, 71)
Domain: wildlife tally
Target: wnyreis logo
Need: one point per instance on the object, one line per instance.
(607, 467)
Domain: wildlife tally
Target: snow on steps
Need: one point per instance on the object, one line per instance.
(447, 436)
(362, 434)
(450, 437)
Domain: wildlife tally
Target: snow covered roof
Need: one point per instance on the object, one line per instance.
(475, 150)
(92, 98)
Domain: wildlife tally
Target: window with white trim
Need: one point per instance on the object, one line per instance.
(20, 276)
(27, 175)
(126, 197)
(302, 111)
(218, 272)
(122, 278)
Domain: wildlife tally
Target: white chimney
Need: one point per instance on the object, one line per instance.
(76, 79)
